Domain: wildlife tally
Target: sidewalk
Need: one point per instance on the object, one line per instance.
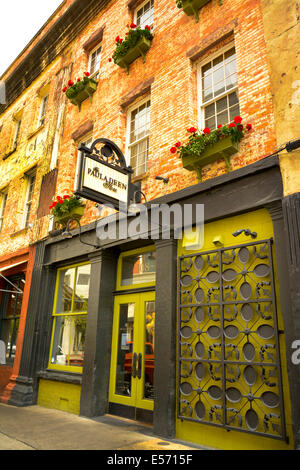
(38, 428)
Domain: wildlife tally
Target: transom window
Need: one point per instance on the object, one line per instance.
(144, 14)
(94, 61)
(138, 146)
(69, 318)
(219, 90)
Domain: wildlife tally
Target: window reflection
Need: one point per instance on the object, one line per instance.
(138, 269)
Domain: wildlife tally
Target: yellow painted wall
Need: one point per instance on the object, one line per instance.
(59, 395)
(212, 436)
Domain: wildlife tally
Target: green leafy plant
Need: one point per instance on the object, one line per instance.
(199, 141)
(62, 206)
(133, 36)
(73, 89)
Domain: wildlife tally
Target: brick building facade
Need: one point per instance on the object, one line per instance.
(195, 74)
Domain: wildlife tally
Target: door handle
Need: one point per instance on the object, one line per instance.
(134, 361)
(139, 369)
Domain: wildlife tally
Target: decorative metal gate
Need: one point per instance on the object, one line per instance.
(229, 371)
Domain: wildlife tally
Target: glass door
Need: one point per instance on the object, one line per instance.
(132, 361)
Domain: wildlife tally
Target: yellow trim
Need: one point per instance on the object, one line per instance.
(212, 436)
(119, 269)
(59, 395)
(75, 369)
(137, 385)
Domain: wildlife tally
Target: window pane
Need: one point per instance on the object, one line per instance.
(68, 340)
(234, 111)
(65, 290)
(125, 342)
(144, 15)
(233, 99)
(222, 118)
(149, 350)
(82, 288)
(221, 104)
(139, 268)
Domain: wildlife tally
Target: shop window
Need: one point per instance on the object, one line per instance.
(143, 15)
(3, 200)
(10, 314)
(69, 318)
(138, 137)
(137, 268)
(218, 90)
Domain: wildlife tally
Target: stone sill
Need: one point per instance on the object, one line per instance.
(19, 232)
(60, 376)
(32, 134)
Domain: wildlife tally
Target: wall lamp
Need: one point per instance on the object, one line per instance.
(134, 207)
(247, 232)
(67, 234)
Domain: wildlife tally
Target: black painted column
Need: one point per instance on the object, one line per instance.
(23, 393)
(96, 368)
(164, 419)
(285, 216)
(291, 214)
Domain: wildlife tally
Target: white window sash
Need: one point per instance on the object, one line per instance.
(30, 179)
(135, 19)
(94, 73)
(129, 144)
(203, 104)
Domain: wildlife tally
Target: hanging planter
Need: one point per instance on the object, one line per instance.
(66, 208)
(207, 147)
(136, 44)
(81, 90)
(191, 7)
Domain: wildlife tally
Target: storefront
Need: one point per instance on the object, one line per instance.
(194, 342)
(15, 280)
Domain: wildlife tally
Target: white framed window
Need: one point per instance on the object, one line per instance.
(144, 14)
(138, 129)
(218, 95)
(3, 200)
(94, 61)
(30, 182)
(43, 109)
(16, 133)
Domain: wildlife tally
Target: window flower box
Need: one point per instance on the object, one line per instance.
(192, 7)
(136, 44)
(66, 208)
(81, 90)
(207, 147)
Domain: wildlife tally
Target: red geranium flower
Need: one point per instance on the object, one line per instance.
(109, 60)
(65, 89)
(219, 126)
(118, 39)
(206, 130)
(66, 197)
(249, 127)
(240, 127)
(70, 83)
(173, 149)
(192, 130)
(147, 27)
(238, 119)
(87, 74)
(132, 25)
(54, 204)
(231, 124)
(178, 144)
(78, 80)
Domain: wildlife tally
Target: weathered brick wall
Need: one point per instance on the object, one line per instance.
(171, 67)
(173, 91)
